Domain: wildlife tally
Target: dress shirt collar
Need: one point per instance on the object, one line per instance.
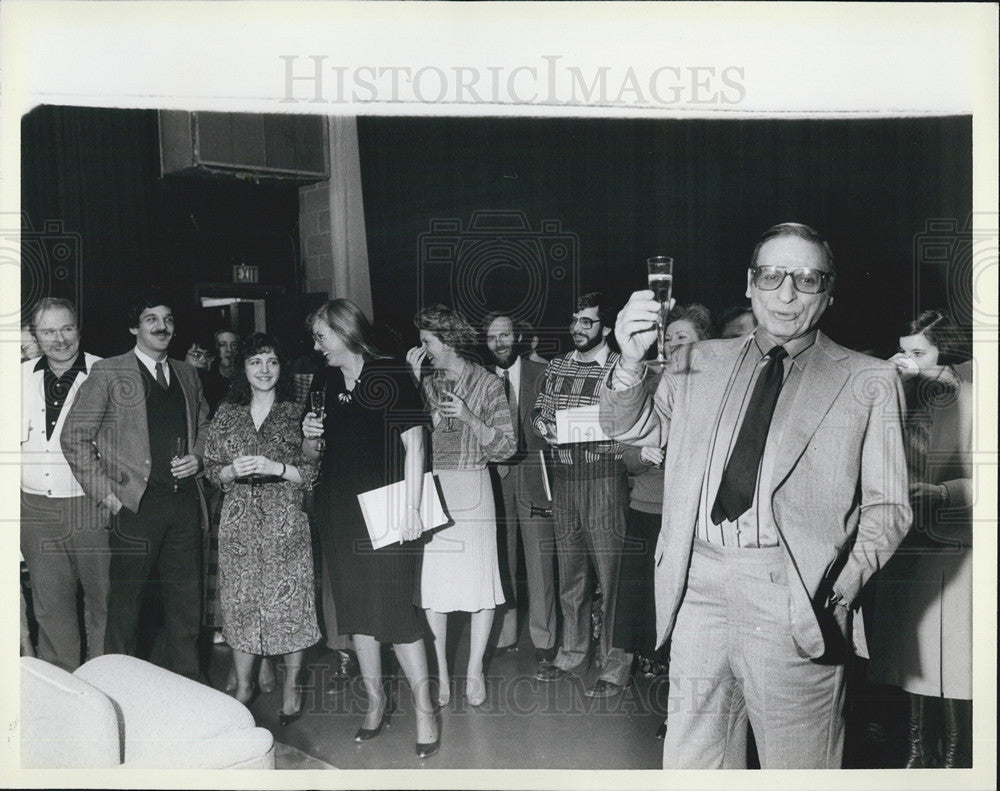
(795, 347)
(150, 363)
(79, 365)
(515, 368)
(601, 358)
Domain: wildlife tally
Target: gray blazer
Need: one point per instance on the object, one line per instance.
(838, 487)
(106, 435)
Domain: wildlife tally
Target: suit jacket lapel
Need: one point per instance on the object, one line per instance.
(822, 380)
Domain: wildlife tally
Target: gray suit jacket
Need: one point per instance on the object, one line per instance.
(106, 435)
(838, 487)
(529, 443)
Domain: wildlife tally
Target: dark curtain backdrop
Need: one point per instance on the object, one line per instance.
(588, 201)
(106, 228)
(621, 190)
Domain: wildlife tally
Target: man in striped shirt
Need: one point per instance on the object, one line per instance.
(590, 496)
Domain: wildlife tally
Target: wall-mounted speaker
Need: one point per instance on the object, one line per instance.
(253, 147)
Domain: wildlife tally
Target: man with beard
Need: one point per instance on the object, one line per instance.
(521, 498)
(134, 440)
(590, 495)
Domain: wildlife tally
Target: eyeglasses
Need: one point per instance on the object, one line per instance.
(583, 321)
(805, 280)
(200, 355)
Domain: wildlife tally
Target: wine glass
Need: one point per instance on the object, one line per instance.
(443, 384)
(660, 276)
(317, 405)
(178, 454)
(253, 449)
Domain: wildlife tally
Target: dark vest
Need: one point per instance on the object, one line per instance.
(166, 416)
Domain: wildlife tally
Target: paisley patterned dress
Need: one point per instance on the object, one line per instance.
(266, 582)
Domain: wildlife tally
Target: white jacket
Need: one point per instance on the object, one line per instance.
(44, 470)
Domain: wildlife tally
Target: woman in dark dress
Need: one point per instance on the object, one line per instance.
(373, 436)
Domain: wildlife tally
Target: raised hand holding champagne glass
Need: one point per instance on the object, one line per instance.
(660, 277)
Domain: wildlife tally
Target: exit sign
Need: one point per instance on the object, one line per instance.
(245, 274)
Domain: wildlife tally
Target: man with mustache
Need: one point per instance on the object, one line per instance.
(134, 440)
(61, 538)
(590, 495)
(784, 490)
(521, 499)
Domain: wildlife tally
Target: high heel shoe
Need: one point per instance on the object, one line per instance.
(427, 749)
(288, 719)
(366, 734)
(475, 693)
(254, 692)
(444, 695)
(266, 678)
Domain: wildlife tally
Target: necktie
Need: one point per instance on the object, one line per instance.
(161, 378)
(506, 384)
(739, 479)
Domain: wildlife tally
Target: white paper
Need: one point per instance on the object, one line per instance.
(385, 508)
(579, 424)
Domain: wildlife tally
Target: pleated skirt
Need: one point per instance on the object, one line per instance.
(460, 570)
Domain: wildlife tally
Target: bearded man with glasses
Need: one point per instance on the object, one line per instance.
(589, 502)
(785, 489)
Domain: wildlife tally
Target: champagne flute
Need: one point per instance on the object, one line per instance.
(442, 384)
(317, 405)
(253, 449)
(178, 454)
(660, 276)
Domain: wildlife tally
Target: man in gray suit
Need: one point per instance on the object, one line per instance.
(785, 489)
(521, 500)
(134, 440)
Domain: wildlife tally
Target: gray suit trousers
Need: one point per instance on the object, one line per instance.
(732, 658)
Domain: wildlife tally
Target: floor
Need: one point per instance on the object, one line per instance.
(524, 723)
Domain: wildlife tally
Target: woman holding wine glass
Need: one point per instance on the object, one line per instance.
(471, 428)
(370, 434)
(253, 451)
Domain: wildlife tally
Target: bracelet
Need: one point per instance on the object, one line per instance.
(414, 508)
(283, 468)
(945, 494)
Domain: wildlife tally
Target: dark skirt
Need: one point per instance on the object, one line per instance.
(373, 589)
(635, 610)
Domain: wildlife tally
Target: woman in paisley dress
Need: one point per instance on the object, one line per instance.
(253, 452)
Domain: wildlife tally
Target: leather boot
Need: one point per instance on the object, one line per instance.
(921, 738)
(956, 752)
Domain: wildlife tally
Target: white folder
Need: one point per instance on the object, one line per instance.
(579, 424)
(384, 510)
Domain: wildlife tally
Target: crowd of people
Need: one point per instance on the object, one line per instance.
(720, 527)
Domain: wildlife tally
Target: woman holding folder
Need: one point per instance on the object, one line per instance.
(471, 427)
(371, 435)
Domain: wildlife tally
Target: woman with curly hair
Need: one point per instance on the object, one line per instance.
(471, 428)
(253, 451)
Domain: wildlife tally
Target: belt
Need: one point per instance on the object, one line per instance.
(250, 480)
